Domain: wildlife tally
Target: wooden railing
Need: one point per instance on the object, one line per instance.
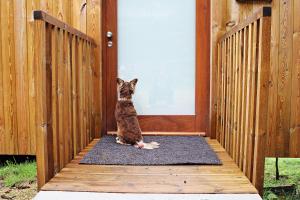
(64, 74)
(242, 93)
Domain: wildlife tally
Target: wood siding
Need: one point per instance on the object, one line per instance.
(283, 135)
(17, 73)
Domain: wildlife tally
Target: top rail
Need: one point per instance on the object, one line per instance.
(42, 15)
(261, 12)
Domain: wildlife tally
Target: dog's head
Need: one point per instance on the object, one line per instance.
(126, 89)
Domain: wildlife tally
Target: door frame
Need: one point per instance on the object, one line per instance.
(171, 123)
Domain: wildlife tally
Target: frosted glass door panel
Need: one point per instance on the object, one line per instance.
(156, 44)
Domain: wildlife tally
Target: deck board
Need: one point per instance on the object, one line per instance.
(191, 179)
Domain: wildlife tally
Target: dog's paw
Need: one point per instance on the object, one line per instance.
(155, 143)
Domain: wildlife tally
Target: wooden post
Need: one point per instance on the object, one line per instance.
(262, 102)
(43, 86)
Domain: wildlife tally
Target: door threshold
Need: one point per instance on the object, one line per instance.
(156, 133)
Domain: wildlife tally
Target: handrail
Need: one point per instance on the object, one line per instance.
(265, 11)
(42, 15)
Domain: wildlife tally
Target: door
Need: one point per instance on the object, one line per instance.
(165, 44)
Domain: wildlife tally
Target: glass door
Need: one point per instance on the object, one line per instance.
(157, 42)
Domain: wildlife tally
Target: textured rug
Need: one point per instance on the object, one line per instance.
(173, 150)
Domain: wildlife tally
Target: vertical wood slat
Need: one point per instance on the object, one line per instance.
(243, 104)
(284, 82)
(94, 16)
(55, 108)
(9, 77)
(262, 102)
(2, 128)
(42, 96)
(21, 68)
(248, 95)
(294, 148)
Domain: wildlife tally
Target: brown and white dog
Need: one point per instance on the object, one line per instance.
(129, 131)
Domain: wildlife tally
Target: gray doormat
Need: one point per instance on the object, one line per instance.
(173, 150)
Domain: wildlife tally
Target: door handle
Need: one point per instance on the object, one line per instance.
(109, 36)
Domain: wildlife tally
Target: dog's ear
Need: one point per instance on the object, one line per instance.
(134, 82)
(120, 81)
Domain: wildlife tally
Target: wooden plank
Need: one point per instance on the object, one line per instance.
(228, 97)
(284, 82)
(243, 104)
(61, 13)
(249, 95)
(261, 102)
(41, 106)
(55, 105)
(79, 15)
(296, 14)
(294, 150)
(80, 57)
(60, 94)
(9, 77)
(254, 63)
(2, 122)
(22, 115)
(94, 17)
(74, 64)
(273, 90)
(66, 119)
(240, 80)
(232, 95)
(236, 81)
(32, 5)
(218, 98)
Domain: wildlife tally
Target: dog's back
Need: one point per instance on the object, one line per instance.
(128, 126)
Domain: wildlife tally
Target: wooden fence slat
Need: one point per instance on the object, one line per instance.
(249, 95)
(74, 95)
(274, 48)
(21, 68)
(254, 63)
(9, 77)
(284, 71)
(262, 102)
(2, 128)
(240, 80)
(41, 106)
(61, 98)
(233, 66)
(94, 16)
(235, 103)
(295, 101)
(243, 105)
(219, 83)
(55, 108)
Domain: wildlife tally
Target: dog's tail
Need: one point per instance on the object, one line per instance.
(143, 145)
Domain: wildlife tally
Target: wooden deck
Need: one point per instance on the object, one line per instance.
(193, 179)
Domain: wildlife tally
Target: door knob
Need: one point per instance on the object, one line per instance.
(109, 36)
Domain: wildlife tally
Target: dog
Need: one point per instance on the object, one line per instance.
(129, 131)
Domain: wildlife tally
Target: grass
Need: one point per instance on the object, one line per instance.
(13, 174)
(289, 169)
